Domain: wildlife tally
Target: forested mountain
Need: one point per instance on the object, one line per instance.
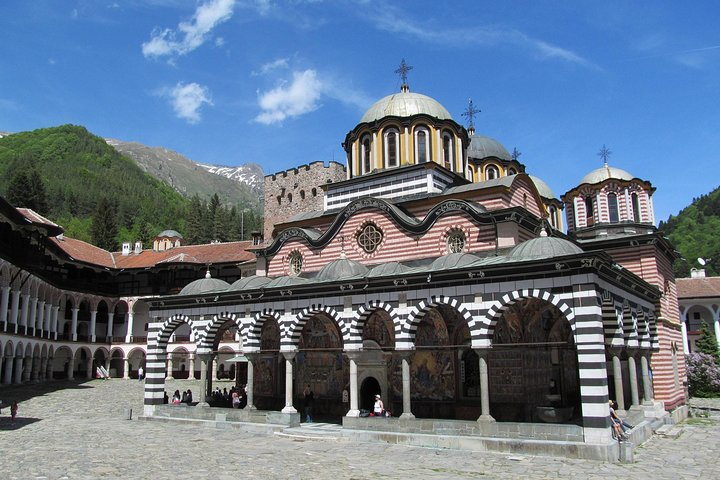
(234, 185)
(695, 232)
(77, 180)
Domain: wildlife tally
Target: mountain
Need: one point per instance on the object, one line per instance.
(695, 232)
(75, 170)
(234, 185)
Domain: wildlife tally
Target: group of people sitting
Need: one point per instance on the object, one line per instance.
(178, 398)
(619, 426)
(235, 398)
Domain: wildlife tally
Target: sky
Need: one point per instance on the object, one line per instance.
(280, 83)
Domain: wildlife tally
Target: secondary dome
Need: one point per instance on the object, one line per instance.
(483, 147)
(170, 233)
(544, 247)
(604, 173)
(543, 188)
(339, 269)
(205, 285)
(405, 104)
(248, 283)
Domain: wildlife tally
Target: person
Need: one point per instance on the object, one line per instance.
(379, 407)
(166, 399)
(189, 396)
(184, 397)
(235, 399)
(616, 423)
(141, 373)
(309, 398)
(623, 424)
(176, 397)
(13, 411)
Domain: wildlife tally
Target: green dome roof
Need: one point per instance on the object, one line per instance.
(246, 283)
(405, 104)
(483, 147)
(205, 285)
(543, 188)
(453, 260)
(170, 233)
(544, 247)
(339, 269)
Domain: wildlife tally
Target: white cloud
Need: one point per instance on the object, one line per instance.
(270, 66)
(187, 99)
(189, 35)
(291, 100)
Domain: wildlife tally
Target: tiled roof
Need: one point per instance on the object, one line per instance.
(35, 217)
(231, 252)
(698, 287)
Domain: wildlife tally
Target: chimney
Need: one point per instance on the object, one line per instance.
(697, 273)
(138, 247)
(256, 238)
(126, 249)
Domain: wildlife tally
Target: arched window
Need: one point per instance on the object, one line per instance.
(512, 171)
(613, 208)
(422, 145)
(447, 145)
(295, 263)
(392, 148)
(552, 212)
(589, 218)
(491, 171)
(635, 207)
(314, 192)
(366, 154)
(470, 174)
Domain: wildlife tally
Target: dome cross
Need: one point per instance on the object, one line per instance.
(470, 113)
(403, 70)
(604, 153)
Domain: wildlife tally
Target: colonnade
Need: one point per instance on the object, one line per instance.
(647, 389)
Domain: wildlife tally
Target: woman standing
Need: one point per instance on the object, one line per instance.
(379, 407)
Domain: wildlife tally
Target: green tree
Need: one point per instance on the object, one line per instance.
(18, 192)
(104, 230)
(707, 343)
(38, 196)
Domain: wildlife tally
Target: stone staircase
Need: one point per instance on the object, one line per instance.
(314, 431)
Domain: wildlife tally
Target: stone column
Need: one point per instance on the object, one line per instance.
(27, 368)
(93, 323)
(130, 326)
(48, 319)
(126, 368)
(43, 369)
(8, 376)
(289, 383)
(632, 369)
(71, 369)
(484, 387)
(214, 368)
(49, 372)
(24, 313)
(407, 412)
(4, 303)
(32, 316)
(41, 318)
(55, 315)
(111, 319)
(717, 328)
(35, 369)
(647, 385)
(191, 373)
(617, 377)
(169, 375)
(17, 378)
(251, 381)
(73, 325)
(14, 308)
(683, 328)
(90, 370)
(354, 410)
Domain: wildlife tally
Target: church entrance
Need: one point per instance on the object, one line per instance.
(369, 388)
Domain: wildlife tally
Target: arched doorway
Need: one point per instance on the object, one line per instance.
(369, 388)
(533, 370)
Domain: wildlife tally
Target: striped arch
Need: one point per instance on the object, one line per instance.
(652, 331)
(292, 335)
(254, 330)
(643, 323)
(405, 334)
(630, 326)
(357, 324)
(207, 337)
(162, 337)
(612, 323)
(496, 311)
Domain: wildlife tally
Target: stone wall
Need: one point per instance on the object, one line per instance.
(296, 191)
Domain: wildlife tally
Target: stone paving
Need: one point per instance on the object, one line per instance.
(79, 431)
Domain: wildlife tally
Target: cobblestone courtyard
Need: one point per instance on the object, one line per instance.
(78, 431)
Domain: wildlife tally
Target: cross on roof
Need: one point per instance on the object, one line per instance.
(515, 154)
(403, 70)
(604, 153)
(470, 113)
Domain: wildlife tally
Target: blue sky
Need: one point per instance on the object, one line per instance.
(280, 83)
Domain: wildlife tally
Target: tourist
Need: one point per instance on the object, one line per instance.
(616, 423)
(309, 399)
(166, 399)
(184, 397)
(141, 373)
(189, 397)
(235, 399)
(379, 407)
(13, 411)
(623, 424)
(176, 397)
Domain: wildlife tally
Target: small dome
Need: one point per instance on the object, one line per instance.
(453, 260)
(405, 104)
(604, 173)
(205, 285)
(339, 269)
(248, 283)
(286, 281)
(390, 268)
(170, 233)
(543, 188)
(544, 247)
(483, 147)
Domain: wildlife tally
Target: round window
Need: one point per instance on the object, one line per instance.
(456, 241)
(295, 263)
(369, 238)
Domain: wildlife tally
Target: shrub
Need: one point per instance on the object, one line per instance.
(703, 375)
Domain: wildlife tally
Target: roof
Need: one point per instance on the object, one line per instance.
(230, 252)
(543, 188)
(604, 173)
(483, 147)
(169, 234)
(544, 247)
(405, 104)
(700, 287)
(205, 285)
